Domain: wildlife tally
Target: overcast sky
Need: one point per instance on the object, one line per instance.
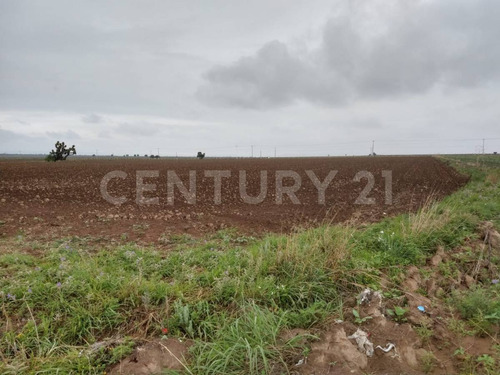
(307, 77)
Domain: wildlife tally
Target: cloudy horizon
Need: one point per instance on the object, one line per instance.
(289, 78)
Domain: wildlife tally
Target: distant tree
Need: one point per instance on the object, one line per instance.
(61, 152)
(200, 155)
(146, 155)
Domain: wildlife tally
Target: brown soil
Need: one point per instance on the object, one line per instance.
(153, 358)
(414, 353)
(49, 200)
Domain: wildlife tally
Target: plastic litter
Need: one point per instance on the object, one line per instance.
(339, 321)
(364, 345)
(364, 296)
(367, 295)
(388, 347)
(300, 362)
(421, 308)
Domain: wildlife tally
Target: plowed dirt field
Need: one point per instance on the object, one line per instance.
(50, 200)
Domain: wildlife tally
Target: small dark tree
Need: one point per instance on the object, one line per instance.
(200, 155)
(61, 152)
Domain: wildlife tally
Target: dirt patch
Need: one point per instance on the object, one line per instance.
(49, 200)
(407, 353)
(153, 358)
(419, 340)
(335, 348)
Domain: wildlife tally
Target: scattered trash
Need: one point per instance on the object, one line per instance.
(300, 362)
(339, 321)
(364, 345)
(367, 295)
(364, 296)
(388, 347)
(495, 281)
(421, 308)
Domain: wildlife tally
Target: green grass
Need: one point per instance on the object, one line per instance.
(249, 344)
(480, 306)
(230, 294)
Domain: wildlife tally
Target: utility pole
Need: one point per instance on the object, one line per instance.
(275, 151)
(483, 146)
(260, 153)
(373, 148)
(252, 150)
(158, 151)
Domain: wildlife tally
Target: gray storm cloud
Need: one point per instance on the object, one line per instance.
(273, 77)
(368, 50)
(128, 77)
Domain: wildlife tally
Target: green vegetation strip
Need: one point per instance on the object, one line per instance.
(230, 294)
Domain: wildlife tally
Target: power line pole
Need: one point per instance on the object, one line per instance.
(483, 146)
(373, 148)
(274, 151)
(252, 150)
